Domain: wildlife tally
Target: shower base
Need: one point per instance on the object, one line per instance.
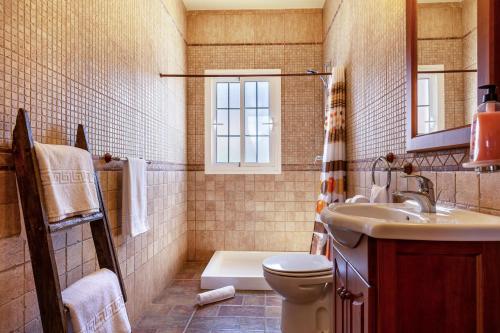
(242, 269)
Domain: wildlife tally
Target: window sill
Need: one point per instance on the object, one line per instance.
(210, 170)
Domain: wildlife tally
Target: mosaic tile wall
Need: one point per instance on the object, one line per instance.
(96, 63)
(452, 43)
(291, 41)
(368, 37)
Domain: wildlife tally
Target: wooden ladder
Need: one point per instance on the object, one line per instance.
(38, 230)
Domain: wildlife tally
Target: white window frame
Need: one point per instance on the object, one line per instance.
(436, 93)
(274, 166)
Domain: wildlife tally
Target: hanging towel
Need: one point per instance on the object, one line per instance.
(333, 175)
(134, 197)
(379, 194)
(95, 304)
(68, 181)
(358, 199)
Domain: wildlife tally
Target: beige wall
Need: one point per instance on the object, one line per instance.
(239, 212)
(369, 39)
(96, 63)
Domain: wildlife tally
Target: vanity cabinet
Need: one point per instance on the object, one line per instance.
(404, 286)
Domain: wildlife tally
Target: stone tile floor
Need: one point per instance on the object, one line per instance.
(175, 309)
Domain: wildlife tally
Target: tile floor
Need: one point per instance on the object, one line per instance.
(175, 309)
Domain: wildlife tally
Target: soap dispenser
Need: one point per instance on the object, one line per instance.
(485, 133)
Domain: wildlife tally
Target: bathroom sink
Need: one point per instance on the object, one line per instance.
(405, 221)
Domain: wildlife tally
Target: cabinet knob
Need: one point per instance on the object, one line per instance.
(340, 291)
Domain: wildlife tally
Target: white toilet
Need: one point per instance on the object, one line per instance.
(305, 283)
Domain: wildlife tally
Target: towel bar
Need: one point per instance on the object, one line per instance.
(108, 158)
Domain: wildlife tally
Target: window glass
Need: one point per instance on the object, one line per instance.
(263, 94)
(250, 94)
(222, 95)
(222, 149)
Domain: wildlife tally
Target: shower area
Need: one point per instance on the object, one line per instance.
(239, 219)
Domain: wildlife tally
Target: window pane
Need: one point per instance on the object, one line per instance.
(422, 118)
(222, 122)
(234, 122)
(250, 149)
(234, 95)
(222, 150)
(263, 94)
(234, 150)
(263, 149)
(264, 120)
(222, 95)
(250, 94)
(423, 92)
(250, 122)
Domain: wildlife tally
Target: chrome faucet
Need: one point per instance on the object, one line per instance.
(425, 196)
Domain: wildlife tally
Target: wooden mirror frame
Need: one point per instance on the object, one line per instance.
(488, 43)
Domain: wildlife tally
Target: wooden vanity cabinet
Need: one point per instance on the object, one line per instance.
(399, 286)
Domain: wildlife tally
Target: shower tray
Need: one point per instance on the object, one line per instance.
(241, 269)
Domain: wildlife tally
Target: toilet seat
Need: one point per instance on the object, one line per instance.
(298, 275)
(300, 265)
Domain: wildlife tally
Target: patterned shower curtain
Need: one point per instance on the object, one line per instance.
(334, 169)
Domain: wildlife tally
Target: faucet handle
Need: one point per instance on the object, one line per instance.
(424, 183)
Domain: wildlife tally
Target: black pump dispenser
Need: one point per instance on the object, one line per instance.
(492, 93)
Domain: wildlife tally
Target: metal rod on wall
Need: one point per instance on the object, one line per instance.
(242, 75)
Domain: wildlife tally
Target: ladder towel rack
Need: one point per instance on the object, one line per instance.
(38, 230)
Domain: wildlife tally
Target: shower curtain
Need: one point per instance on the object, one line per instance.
(334, 168)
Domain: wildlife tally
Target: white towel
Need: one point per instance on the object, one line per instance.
(68, 181)
(379, 194)
(215, 295)
(95, 304)
(134, 197)
(358, 199)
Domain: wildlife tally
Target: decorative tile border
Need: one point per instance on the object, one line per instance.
(438, 161)
(7, 164)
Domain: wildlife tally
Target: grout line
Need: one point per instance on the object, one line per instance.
(189, 321)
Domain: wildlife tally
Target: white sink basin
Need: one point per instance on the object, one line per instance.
(404, 221)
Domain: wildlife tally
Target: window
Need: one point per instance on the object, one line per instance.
(430, 101)
(242, 123)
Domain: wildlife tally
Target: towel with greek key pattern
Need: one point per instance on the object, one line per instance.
(68, 181)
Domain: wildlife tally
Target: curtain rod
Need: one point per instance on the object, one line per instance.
(242, 75)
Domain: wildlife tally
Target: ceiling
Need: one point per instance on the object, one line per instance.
(251, 4)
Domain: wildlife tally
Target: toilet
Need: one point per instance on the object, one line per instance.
(305, 283)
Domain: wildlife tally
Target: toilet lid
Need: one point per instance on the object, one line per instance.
(298, 263)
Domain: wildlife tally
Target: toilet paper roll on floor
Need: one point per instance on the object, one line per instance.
(215, 295)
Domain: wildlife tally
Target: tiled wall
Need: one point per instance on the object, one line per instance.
(447, 35)
(97, 63)
(289, 40)
(250, 212)
(368, 38)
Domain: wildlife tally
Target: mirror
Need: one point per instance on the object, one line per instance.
(452, 47)
(447, 64)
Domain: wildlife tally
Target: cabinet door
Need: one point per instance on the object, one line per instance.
(357, 301)
(339, 305)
